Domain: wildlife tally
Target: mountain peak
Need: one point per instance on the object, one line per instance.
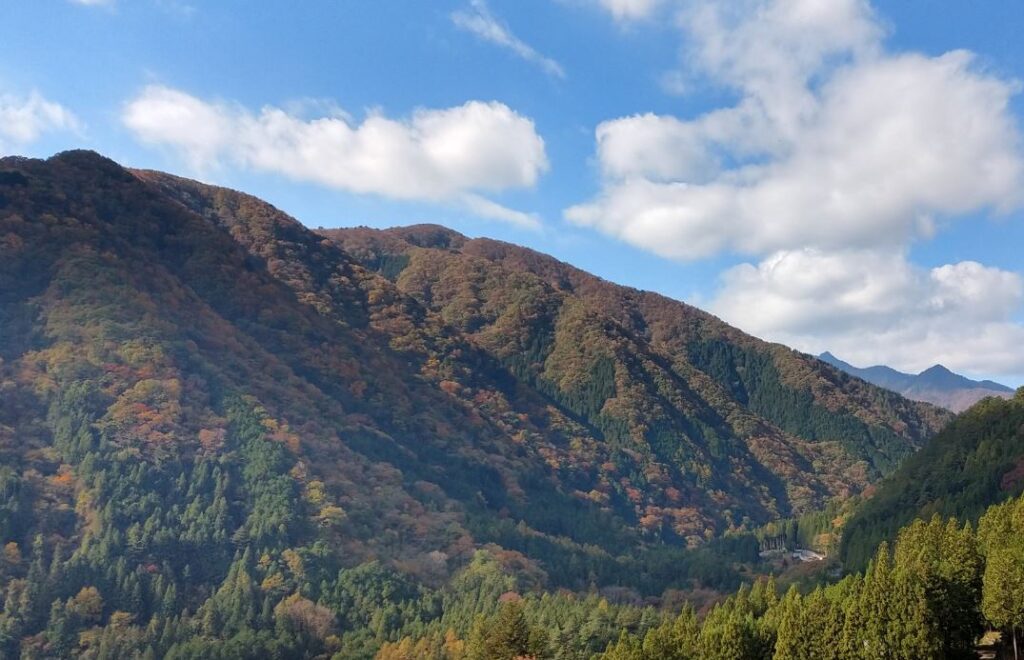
(936, 384)
(429, 235)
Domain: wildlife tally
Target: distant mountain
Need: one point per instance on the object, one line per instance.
(975, 462)
(937, 385)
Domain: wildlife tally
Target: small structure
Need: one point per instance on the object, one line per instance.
(803, 554)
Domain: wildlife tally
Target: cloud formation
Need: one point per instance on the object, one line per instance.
(871, 306)
(861, 153)
(835, 157)
(445, 156)
(23, 119)
(479, 20)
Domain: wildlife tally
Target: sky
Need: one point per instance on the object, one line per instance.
(831, 174)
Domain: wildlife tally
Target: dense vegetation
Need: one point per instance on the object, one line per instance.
(976, 461)
(222, 435)
(930, 597)
(697, 414)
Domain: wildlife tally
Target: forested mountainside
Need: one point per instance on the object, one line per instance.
(654, 374)
(937, 385)
(221, 433)
(661, 432)
(931, 594)
(975, 462)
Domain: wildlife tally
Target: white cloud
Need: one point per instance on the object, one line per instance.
(23, 119)
(866, 158)
(836, 155)
(448, 155)
(479, 20)
(630, 10)
(871, 306)
(486, 208)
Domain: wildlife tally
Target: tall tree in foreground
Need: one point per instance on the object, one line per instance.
(1001, 533)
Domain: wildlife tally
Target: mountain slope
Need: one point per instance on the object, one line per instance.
(936, 385)
(557, 328)
(975, 462)
(206, 404)
(618, 402)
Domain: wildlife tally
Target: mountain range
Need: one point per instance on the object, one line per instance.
(207, 405)
(936, 385)
(490, 371)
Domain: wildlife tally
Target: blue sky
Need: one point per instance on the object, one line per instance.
(834, 175)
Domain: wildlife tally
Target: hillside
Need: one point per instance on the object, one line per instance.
(932, 593)
(936, 385)
(975, 462)
(672, 365)
(209, 409)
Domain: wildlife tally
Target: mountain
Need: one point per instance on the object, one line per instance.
(975, 462)
(673, 365)
(936, 385)
(214, 419)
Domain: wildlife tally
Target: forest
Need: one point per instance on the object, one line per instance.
(975, 461)
(225, 435)
(930, 595)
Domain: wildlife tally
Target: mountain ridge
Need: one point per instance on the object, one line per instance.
(936, 385)
(207, 404)
(621, 405)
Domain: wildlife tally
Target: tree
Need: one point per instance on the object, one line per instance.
(790, 643)
(304, 617)
(1001, 531)
(628, 647)
(674, 640)
(507, 636)
(59, 631)
(87, 605)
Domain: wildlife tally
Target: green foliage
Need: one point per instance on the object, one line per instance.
(651, 398)
(1001, 532)
(754, 380)
(222, 436)
(977, 461)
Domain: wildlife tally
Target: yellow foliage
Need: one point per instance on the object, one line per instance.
(315, 492)
(87, 604)
(272, 582)
(331, 515)
(294, 562)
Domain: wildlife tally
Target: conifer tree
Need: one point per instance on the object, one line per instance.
(790, 643)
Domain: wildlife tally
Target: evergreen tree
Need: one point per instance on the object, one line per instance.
(791, 642)
(1001, 532)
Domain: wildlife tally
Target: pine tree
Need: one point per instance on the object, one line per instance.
(675, 639)
(790, 644)
(59, 631)
(628, 647)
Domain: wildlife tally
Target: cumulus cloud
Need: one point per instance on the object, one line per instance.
(836, 155)
(871, 306)
(479, 20)
(23, 119)
(868, 156)
(447, 155)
